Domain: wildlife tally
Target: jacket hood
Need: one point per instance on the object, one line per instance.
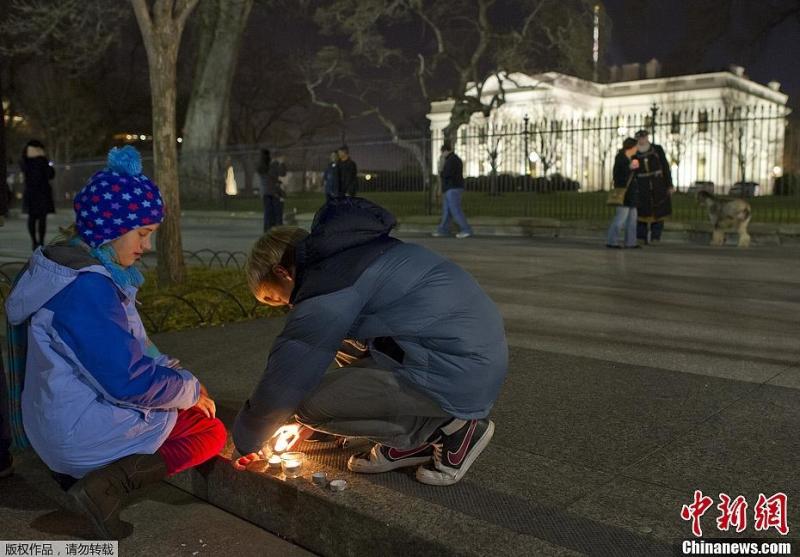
(341, 224)
(346, 236)
(48, 272)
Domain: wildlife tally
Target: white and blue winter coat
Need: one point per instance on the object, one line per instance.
(354, 281)
(95, 389)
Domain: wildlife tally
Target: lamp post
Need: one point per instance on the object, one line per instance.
(525, 133)
(653, 115)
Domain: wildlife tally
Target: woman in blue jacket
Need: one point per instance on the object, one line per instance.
(105, 411)
(424, 348)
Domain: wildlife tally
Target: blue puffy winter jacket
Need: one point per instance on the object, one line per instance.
(92, 394)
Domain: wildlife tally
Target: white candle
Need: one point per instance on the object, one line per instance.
(274, 461)
(291, 463)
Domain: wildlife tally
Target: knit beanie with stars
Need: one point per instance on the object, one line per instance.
(117, 199)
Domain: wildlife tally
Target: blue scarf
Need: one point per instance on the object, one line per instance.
(124, 277)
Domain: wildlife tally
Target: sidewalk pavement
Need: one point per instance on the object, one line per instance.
(635, 379)
(762, 233)
(167, 521)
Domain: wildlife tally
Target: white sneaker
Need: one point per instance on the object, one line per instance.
(438, 234)
(383, 459)
(462, 235)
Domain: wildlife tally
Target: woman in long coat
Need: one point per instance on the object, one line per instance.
(37, 200)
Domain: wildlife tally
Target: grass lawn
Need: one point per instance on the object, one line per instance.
(559, 205)
(210, 296)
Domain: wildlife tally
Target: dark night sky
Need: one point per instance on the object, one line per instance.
(687, 38)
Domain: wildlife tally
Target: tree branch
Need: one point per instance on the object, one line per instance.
(142, 12)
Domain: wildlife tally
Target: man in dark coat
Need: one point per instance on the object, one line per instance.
(275, 192)
(654, 188)
(346, 173)
(37, 200)
(451, 175)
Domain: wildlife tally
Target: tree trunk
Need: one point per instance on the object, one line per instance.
(171, 267)
(161, 30)
(205, 131)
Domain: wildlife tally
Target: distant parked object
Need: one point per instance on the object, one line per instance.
(701, 185)
(744, 189)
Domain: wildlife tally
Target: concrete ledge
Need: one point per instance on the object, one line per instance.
(393, 515)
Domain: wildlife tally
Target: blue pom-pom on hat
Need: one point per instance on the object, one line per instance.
(117, 199)
(125, 160)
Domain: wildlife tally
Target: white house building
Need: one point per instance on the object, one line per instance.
(719, 127)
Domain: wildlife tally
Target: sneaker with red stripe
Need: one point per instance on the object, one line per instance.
(383, 459)
(456, 452)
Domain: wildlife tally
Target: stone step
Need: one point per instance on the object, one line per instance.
(393, 515)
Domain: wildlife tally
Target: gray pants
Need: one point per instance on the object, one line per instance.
(362, 400)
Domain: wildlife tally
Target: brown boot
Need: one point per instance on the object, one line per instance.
(99, 495)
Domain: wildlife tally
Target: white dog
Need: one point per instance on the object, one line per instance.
(727, 213)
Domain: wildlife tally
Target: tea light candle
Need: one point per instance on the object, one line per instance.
(274, 461)
(338, 485)
(291, 463)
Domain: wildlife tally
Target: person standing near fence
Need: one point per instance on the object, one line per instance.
(275, 193)
(452, 182)
(330, 177)
(37, 200)
(654, 188)
(346, 173)
(269, 175)
(624, 197)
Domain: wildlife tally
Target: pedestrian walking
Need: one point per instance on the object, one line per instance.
(452, 184)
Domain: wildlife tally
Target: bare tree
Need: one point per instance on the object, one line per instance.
(221, 24)
(161, 23)
(546, 142)
(455, 48)
(74, 34)
(454, 54)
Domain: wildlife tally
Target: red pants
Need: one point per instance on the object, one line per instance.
(194, 439)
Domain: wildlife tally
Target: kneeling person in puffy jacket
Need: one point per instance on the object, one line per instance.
(422, 347)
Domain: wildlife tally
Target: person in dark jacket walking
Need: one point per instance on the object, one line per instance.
(346, 173)
(423, 347)
(330, 177)
(452, 179)
(37, 200)
(625, 214)
(654, 187)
